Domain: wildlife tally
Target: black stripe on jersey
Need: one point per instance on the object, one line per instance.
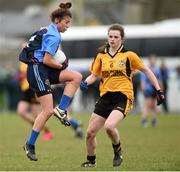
(124, 50)
(101, 80)
(119, 50)
(128, 68)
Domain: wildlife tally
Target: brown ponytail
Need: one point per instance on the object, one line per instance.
(104, 48)
(62, 11)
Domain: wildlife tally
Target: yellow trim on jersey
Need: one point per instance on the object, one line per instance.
(116, 71)
(129, 106)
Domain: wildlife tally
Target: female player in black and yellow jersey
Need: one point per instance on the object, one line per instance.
(115, 66)
(28, 106)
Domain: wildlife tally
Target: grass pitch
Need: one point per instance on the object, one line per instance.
(151, 149)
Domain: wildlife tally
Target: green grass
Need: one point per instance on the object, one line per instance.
(1, 99)
(143, 148)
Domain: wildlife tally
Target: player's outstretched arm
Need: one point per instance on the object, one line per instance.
(154, 81)
(88, 81)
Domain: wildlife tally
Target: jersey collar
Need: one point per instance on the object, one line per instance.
(118, 51)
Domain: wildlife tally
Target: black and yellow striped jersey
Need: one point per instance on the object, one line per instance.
(116, 71)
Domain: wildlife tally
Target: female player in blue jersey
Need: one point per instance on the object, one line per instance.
(149, 92)
(43, 71)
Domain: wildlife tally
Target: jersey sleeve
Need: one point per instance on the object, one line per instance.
(96, 66)
(136, 62)
(50, 44)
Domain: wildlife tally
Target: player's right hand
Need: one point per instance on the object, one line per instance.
(83, 85)
(160, 97)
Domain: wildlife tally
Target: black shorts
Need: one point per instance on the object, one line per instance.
(112, 101)
(29, 96)
(40, 78)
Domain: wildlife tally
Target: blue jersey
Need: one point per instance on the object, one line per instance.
(149, 88)
(44, 40)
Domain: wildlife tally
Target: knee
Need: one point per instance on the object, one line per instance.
(21, 111)
(109, 128)
(48, 112)
(90, 135)
(77, 77)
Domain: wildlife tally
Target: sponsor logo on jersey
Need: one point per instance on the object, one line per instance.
(121, 63)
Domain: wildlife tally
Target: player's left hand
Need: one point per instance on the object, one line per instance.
(160, 97)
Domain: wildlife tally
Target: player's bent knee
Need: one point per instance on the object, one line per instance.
(78, 77)
(48, 113)
(109, 128)
(90, 135)
(21, 112)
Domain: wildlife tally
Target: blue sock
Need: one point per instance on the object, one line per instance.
(144, 122)
(33, 137)
(64, 102)
(74, 123)
(154, 122)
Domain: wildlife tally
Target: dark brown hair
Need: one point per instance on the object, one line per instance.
(118, 27)
(115, 26)
(62, 11)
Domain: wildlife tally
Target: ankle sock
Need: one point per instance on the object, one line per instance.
(117, 147)
(91, 158)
